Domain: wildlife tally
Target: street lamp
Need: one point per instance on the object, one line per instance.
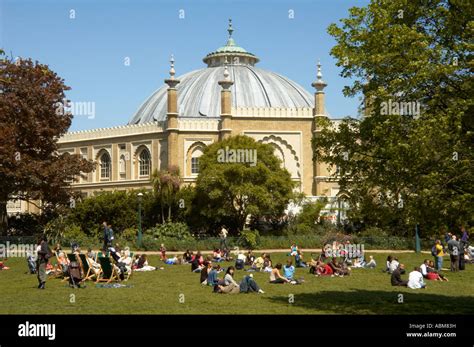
(139, 241)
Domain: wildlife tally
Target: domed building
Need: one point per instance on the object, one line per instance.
(173, 126)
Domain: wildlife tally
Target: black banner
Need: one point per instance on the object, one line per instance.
(412, 330)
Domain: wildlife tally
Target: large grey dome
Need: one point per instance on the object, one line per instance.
(199, 93)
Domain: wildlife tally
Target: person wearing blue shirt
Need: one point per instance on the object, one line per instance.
(289, 270)
(212, 279)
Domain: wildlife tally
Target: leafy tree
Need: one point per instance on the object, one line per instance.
(31, 121)
(228, 192)
(398, 166)
(118, 208)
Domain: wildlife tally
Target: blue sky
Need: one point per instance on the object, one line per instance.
(89, 51)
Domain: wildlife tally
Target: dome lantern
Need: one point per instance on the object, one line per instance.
(234, 54)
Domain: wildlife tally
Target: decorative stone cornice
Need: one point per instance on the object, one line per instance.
(117, 131)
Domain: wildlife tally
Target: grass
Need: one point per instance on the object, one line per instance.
(364, 292)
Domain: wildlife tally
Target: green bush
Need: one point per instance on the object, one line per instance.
(250, 238)
(166, 231)
(149, 243)
(129, 234)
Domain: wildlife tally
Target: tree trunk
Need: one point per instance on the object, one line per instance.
(3, 217)
(162, 212)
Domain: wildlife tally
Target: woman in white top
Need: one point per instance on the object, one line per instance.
(126, 259)
(276, 277)
(393, 265)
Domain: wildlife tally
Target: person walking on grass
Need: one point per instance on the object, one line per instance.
(44, 253)
(223, 236)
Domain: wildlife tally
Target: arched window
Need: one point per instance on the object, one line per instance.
(105, 165)
(196, 154)
(144, 162)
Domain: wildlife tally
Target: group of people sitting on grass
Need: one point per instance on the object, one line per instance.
(227, 285)
(123, 262)
(425, 271)
(331, 268)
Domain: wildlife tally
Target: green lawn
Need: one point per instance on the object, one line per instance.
(364, 292)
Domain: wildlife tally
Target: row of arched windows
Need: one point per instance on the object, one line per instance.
(144, 164)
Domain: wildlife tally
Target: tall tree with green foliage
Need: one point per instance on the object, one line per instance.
(32, 118)
(229, 189)
(410, 159)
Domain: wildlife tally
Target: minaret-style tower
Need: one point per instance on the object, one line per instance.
(172, 116)
(318, 112)
(319, 85)
(226, 105)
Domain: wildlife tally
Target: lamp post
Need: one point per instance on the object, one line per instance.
(139, 239)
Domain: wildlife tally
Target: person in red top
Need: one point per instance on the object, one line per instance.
(323, 269)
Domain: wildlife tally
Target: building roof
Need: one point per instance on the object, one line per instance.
(199, 91)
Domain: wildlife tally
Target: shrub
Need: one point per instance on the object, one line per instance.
(250, 238)
(129, 234)
(166, 231)
(149, 243)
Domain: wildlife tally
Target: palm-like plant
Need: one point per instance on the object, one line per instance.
(166, 184)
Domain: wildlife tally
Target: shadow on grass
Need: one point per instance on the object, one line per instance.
(357, 301)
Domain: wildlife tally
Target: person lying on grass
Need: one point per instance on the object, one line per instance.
(141, 264)
(432, 274)
(3, 267)
(323, 269)
(276, 277)
(396, 278)
(176, 260)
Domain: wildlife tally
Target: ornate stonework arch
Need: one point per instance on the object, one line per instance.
(291, 159)
(198, 145)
